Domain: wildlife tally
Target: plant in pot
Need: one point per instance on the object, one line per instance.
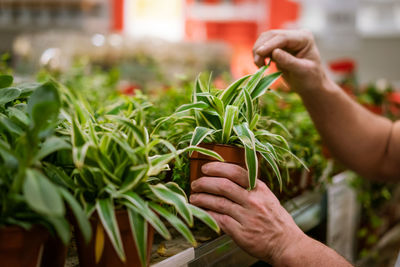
(32, 205)
(116, 165)
(228, 122)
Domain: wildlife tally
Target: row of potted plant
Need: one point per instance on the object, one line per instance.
(100, 164)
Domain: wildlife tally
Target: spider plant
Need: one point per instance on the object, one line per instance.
(116, 165)
(232, 117)
(29, 195)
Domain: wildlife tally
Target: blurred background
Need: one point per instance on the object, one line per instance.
(182, 37)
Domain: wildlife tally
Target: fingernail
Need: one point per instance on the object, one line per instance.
(204, 168)
(193, 184)
(192, 198)
(260, 49)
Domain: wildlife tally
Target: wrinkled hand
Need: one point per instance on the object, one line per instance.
(296, 55)
(254, 219)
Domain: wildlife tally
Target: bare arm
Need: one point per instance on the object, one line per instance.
(363, 141)
(256, 221)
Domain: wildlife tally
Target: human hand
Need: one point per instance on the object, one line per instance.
(254, 219)
(296, 55)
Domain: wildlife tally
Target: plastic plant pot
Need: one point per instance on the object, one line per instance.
(87, 255)
(20, 247)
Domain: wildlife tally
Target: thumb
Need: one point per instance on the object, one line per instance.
(285, 61)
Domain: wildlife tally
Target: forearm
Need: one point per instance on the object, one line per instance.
(355, 136)
(308, 252)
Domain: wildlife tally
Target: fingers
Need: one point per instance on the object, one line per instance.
(221, 187)
(284, 60)
(227, 224)
(233, 172)
(290, 40)
(218, 204)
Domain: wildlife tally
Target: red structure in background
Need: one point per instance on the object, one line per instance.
(117, 15)
(240, 33)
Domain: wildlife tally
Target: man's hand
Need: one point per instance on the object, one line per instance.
(296, 55)
(254, 219)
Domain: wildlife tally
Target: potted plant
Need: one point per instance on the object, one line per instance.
(228, 122)
(32, 204)
(115, 174)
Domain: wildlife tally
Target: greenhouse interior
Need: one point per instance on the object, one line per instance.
(172, 133)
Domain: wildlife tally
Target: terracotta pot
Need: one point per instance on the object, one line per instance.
(230, 154)
(20, 247)
(86, 253)
(54, 253)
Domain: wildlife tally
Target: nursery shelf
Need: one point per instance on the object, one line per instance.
(308, 211)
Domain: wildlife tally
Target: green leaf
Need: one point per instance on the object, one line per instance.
(139, 231)
(78, 138)
(58, 176)
(9, 94)
(229, 93)
(79, 215)
(264, 84)
(18, 116)
(134, 201)
(179, 202)
(252, 165)
(6, 81)
(43, 105)
(274, 167)
(255, 79)
(105, 210)
(203, 151)
(229, 120)
(175, 222)
(199, 134)
(158, 163)
(62, 228)
(10, 126)
(204, 217)
(137, 131)
(79, 155)
(249, 106)
(246, 136)
(193, 106)
(134, 177)
(51, 145)
(176, 188)
(42, 195)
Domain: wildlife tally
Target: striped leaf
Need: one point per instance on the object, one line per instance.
(274, 166)
(139, 231)
(229, 120)
(199, 134)
(179, 202)
(193, 106)
(175, 222)
(249, 106)
(135, 202)
(230, 92)
(204, 217)
(105, 210)
(255, 79)
(203, 151)
(264, 84)
(246, 136)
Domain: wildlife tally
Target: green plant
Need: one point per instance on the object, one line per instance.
(116, 166)
(29, 195)
(232, 116)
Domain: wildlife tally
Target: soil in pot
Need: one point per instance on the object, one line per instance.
(20, 247)
(109, 257)
(230, 154)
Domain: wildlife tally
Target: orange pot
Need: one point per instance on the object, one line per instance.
(231, 154)
(109, 257)
(20, 247)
